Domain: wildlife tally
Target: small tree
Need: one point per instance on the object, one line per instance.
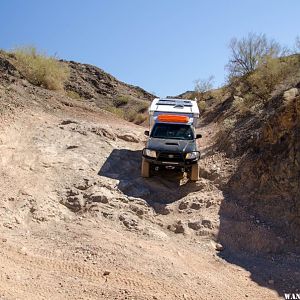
(202, 86)
(247, 52)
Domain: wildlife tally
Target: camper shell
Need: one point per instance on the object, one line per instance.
(172, 137)
(182, 107)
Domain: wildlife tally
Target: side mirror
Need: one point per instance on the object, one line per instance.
(198, 136)
(146, 132)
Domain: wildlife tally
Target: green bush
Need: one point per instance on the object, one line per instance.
(121, 101)
(132, 115)
(117, 111)
(40, 69)
(270, 72)
(143, 107)
(139, 119)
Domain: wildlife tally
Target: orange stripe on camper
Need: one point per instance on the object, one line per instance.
(173, 118)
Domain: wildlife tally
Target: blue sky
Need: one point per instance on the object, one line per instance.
(161, 45)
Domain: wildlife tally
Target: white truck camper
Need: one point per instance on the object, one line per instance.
(180, 107)
(172, 137)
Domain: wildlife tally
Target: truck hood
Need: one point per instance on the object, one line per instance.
(171, 145)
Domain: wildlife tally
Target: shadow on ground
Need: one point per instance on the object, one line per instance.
(258, 248)
(276, 272)
(164, 187)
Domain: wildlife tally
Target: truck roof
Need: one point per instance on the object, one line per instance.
(173, 105)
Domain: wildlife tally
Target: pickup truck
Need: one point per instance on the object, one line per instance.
(172, 138)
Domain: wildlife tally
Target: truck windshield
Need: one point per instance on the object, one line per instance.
(172, 131)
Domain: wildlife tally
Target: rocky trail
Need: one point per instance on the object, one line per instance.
(78, 221)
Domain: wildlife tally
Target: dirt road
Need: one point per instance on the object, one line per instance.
(78, 222)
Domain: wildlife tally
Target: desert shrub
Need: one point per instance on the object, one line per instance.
(117, 111)
(129, 108)
(132, 115)
(270, 72)
(143, 107)
(139, 118)
(73, 95)
(202, 105)
(121, 101)
(40, 69)
(255, 88)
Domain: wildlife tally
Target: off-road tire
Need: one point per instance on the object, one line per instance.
(145, 170)
(194, 173)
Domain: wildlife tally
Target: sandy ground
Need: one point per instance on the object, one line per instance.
(78, 221)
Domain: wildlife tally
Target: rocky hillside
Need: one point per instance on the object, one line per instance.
(264, 137)
(93, 84)
(90, 84)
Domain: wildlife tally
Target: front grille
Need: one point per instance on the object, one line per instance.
(169, 156)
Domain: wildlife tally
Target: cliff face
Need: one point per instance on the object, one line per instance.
(262, 207)
(267, 181)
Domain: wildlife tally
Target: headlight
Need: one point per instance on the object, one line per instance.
(150, 153)
(192, 155)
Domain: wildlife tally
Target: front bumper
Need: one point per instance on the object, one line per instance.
(171, 159)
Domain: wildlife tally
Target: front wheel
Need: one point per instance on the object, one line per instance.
(194, 173)
(145, 171)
